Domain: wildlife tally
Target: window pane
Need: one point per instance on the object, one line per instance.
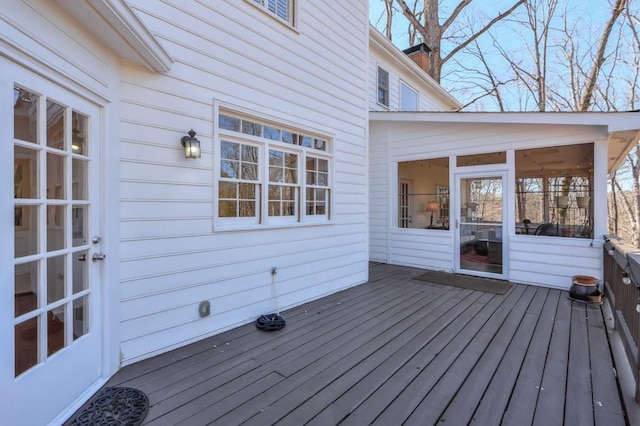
(79, 133)
(247, 209)
(250, 154)
(229, 123)
(276, 158)
(311, 163)
(55, 278)
(26, 230)
(275, 174)
(226, 208)
(275, 192)
(311, 178)
(230, 150)
(80, 169)
(289, 137)
(307, 141)
(26, 288)
(227, 190)
(247, 191)
(321, 145)
(26, 345)
(55, 176)
(249, 171)
(408, 98)
(80, 277)
(274, 208)
(56, 228)
(323, 165)
(55, 330)
(80, 317)
(251, 128)
(229, 169)
(79, 225)
(25, 115)
(323, 179)
(288, 193)
(55, 125)
(25, 173)
(272, 133)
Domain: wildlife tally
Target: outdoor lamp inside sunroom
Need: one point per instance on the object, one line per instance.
(191, 145)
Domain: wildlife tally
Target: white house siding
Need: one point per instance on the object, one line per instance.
(537, 260)
(233, 53)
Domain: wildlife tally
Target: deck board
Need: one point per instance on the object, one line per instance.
(394, 351)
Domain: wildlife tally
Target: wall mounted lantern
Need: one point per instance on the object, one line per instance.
(191, 145)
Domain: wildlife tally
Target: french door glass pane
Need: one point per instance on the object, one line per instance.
(25, 115)
(26, 345)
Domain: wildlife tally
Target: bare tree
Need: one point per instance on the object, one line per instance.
(427, 24)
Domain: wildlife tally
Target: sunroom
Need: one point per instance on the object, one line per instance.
(520, 197)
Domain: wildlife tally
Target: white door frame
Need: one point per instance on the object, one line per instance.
(455, 202)
(106, 194)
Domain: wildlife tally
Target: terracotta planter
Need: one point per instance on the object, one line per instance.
(585, 289)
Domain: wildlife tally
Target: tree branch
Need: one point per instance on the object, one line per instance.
(454, 14)
(483, 30)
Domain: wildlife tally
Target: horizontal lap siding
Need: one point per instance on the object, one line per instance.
(171, 259)
(43, 31)
(562, 259)
(532, 260)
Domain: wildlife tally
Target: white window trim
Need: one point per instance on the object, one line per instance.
(378, 68)
(408, 86)
(264, 221)
(292, 24)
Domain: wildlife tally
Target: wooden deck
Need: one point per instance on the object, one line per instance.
(396, 351)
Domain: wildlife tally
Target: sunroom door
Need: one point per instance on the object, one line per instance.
(479, 222)
(49, 318)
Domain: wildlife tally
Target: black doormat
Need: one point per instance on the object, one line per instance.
(112, 406)
(465, 281)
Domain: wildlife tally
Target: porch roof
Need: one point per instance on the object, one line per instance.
(622, 128)
(396, 350)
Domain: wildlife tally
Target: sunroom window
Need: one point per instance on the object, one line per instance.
(554, 191)
(270, 175)
(423, 194)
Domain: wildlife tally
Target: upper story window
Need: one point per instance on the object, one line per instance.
(270, 175)
(283, 9)
(383, 87)
(408, 98)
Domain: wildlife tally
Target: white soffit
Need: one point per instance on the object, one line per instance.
(623, 128)
(117, 26)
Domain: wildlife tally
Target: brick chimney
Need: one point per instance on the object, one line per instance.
(420, 55)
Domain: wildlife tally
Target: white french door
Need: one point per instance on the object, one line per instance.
(480, 215)
(50, 319)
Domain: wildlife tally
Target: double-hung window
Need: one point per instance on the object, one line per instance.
(283, 9)
(383, 87)
(270, 174)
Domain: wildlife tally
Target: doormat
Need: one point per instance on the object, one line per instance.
(466, 281)
(112, 406)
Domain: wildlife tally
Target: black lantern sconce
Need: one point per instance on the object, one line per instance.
(191, 145)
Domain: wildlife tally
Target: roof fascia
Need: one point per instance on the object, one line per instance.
(615, 121)
(132, 40)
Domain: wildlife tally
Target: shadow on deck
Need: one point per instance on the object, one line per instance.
(394, 351)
